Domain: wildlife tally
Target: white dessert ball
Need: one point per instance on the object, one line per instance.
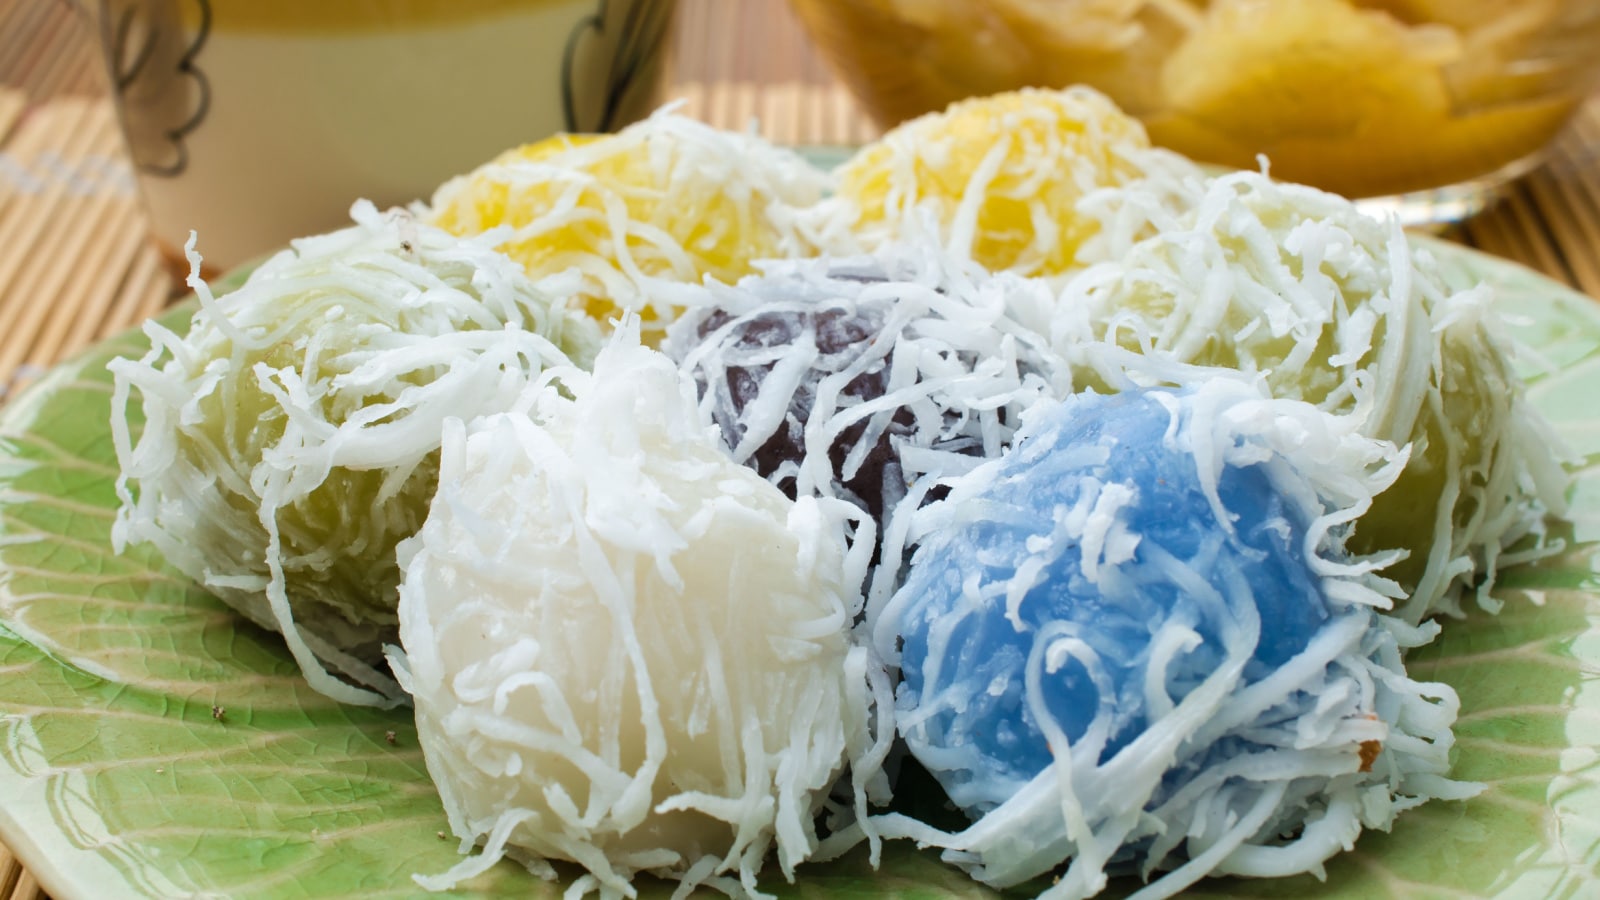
(626, 650)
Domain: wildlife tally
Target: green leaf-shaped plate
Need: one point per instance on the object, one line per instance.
(153, 745)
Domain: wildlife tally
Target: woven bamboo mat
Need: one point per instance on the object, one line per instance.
(74, 266)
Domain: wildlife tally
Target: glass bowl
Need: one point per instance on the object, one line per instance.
(1429, 104)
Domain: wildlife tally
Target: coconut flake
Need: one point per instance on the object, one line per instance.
(339, 357)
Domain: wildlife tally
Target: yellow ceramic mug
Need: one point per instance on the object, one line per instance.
(255, 122)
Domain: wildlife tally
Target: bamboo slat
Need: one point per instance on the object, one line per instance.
(10, 872)
(26, 888)
(12, 103)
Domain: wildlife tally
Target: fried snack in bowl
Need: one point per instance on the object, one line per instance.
(1367, 98)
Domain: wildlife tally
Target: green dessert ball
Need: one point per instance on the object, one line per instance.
(1339, 309)
(291, 436)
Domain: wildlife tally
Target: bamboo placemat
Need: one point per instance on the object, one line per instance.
(16, 883)
(74, 266)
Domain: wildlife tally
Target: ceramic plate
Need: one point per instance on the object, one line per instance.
(152, 745)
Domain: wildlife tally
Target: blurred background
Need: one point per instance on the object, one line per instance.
(72, 227)
(1432, 103)
(75, 263)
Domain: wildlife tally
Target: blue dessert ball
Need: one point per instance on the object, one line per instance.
(1075, 560)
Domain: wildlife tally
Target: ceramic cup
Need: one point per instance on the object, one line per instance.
(256, 122)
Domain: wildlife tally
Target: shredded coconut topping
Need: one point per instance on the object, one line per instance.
(626, 650)
(997, 180)
(1335, 308)
(862, 378)
(1190, 748)
(666, 198)
(290, 437)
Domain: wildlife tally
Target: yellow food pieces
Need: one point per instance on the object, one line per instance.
(904, 58)
(1362, 97)
(1498, 19)
(1270, 69)
(1351, 100)
(667, 198)
(1000, 176)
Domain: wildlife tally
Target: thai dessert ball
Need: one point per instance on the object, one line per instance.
(999, 178)
(860, 378)
(840, 336)
(1135, 644)
(290, 438)
(1336, 308)
(1138, 503)
(665, 198)
(625, 650)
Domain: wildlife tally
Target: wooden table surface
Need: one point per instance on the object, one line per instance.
(75, 267)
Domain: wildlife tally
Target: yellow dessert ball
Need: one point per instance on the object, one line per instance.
(1000, 176)
(665, 199)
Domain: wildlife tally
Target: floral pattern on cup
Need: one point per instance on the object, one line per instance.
(162, 95)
